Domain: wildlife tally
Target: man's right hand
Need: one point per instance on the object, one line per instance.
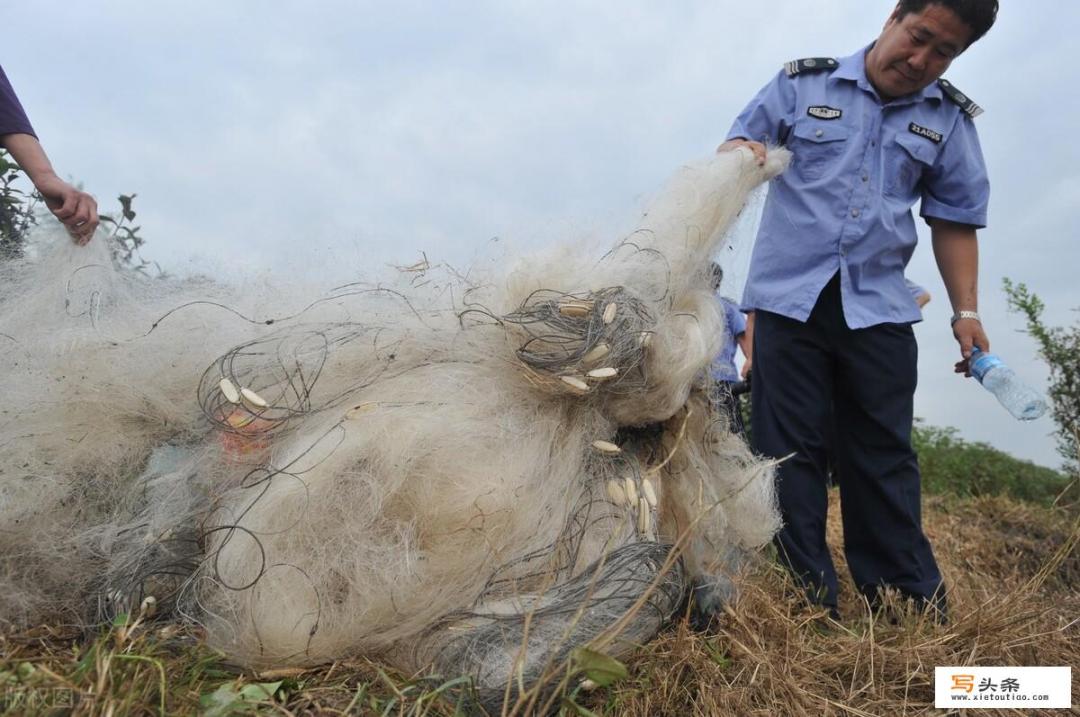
(969, 333)
(75, 209)
(756, 147)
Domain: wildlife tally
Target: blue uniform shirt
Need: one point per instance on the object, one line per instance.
(723, 366)
(845, 203)
(914, 289)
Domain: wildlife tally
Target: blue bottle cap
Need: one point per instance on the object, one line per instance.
(981, 363)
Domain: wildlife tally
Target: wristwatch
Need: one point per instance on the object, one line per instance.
(964, 315)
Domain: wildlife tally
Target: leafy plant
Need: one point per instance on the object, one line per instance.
(124, 238)
(1060, 348)
(949, 464)
(235, 698)
(18, 209)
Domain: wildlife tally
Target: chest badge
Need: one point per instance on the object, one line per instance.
(824, 112)
(930, 134)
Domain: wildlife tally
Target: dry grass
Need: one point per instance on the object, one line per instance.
(1014, 573)
(1013, 569)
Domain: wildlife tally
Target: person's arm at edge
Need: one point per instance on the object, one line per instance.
(918, 293)
(76, 209)
(766, 118)
(956, 249)
(746, 343)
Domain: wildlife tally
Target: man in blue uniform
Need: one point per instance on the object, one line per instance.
(723, 374)
(870, 134)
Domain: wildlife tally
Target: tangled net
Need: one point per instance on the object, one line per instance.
(464, 475)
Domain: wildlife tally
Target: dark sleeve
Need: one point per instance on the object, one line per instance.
(12, 118)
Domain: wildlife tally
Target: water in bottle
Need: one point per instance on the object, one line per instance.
(1021, 400)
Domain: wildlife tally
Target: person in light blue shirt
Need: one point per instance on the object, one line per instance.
(723, 374)
(871, 135)
(844, 206)
(723, 366)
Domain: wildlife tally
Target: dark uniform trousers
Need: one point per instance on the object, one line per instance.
(803, 373)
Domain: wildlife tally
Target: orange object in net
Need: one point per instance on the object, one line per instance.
(246, 435)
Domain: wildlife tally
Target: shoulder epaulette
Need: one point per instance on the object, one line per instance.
(966, 104)
(810, 64)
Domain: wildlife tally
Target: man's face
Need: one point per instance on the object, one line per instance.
(916, 50)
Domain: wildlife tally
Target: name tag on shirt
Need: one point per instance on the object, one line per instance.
(930, 134)
(824, 112)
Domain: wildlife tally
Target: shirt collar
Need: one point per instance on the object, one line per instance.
(853, 68)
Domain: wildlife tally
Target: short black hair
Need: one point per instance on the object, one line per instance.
(979, 15)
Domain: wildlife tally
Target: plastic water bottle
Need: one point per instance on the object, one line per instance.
(1021, 400)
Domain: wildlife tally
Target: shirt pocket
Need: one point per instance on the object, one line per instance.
(907, 159)
(816, 146)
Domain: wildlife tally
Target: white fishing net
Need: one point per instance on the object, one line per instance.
(467, 473)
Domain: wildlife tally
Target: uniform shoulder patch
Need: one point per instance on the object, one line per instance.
(966, 104)
(810, 64)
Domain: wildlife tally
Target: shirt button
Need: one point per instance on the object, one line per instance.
(818, 133)
(866, 177)
(855, 213)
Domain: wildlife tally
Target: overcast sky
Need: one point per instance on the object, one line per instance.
(346, 135)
